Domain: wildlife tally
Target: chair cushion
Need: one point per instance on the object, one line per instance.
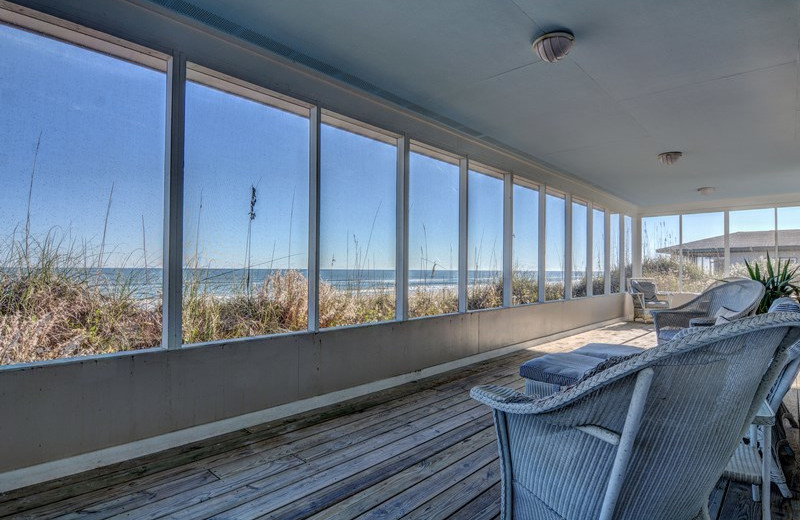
(607, 350)
(784, 305)
(724, 315)
(657, 304)
(563, 368)
(647, 288)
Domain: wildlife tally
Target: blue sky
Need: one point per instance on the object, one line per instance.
(100, 124)
(526, 229)
(485, 222)
(432, 213)
(579, 236)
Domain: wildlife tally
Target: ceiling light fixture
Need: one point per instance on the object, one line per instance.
(553, 46)
(706, 190)
(669, 158)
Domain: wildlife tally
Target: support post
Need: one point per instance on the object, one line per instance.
(607, 251)
(401, 230)
(463, 175)
(172, 290)
(542, 273)
(589, 246)
(508, 238)
(568, 247)
(315, 125)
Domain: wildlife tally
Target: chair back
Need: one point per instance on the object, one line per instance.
(646, 287)
(706, 389)
(741, 296)
(792, 364)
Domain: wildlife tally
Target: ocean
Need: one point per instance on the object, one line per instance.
(146, 283)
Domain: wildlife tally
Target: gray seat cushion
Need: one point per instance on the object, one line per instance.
(563, 368)
(607, 350)
(660, 304)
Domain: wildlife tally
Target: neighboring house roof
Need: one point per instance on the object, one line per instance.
(742, 241)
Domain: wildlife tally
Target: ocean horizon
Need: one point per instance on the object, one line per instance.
(147, 282)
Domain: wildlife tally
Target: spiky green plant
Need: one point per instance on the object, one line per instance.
(777, 280)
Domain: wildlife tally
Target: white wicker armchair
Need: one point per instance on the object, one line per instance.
(647, 438)
(738, 298)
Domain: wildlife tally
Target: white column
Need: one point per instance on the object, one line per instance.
(508, 238)
(680, 253)
(727, 245)
(542, 274)
(315, 120)
(568, 247)
(636, 250)
(401, 230)
(172, 289)
(589, 249)
(607, 251)
(621, 252)
(463, 170)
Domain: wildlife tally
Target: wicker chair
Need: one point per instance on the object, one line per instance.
(788, 374)
(646, 438)
(731, 301)
(645, 297)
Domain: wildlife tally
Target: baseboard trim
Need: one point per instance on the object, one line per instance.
(39, 473)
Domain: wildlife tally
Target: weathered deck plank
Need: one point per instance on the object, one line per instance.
(422, 450)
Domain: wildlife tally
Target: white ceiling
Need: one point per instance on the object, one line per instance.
(716, 79)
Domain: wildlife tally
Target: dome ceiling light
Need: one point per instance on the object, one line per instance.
(669, 158)
(706, 190)
(553, 46)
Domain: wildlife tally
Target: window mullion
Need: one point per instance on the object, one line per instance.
(172, 291)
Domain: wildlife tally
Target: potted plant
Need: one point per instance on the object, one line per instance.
(777, 280)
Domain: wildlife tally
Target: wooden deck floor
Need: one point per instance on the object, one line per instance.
(423, 450)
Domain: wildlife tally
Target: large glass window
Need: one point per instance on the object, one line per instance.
(357, 223)
(598, 251)
(525, 264)
(432, 232)
(555, 210)
(789, 235)
(752, 236)
(245, 211)
(703, 250)
(613, 244)
(660, 251)
(81, 192)
(485, 239)
(579, 248)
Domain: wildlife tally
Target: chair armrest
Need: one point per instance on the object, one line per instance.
(702, 321)
(674, 318)
(504, 399)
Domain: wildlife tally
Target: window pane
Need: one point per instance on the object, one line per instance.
(613, 243)
(554, 246)
(525, 269)
(432, 236)
(485, 241)
(789, 235)
(628, 247)
(579, 234)
(752, 236)
(245, 217)
(660, 246)
(357, 227)
(81, 192)
(598, 251)
(703, 250)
